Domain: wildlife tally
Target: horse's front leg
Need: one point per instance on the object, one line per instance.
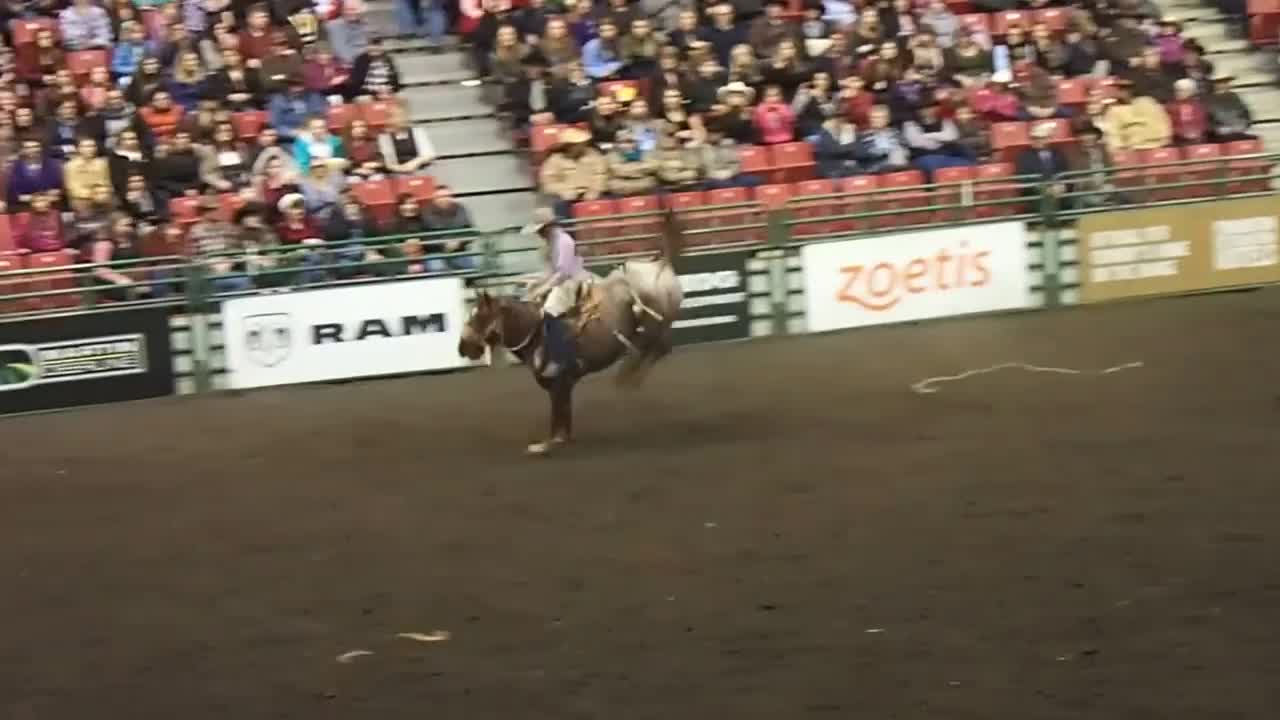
(561, 396)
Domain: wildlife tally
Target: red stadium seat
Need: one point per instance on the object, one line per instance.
(754, 160)
(642, 230)
(185, 210)
(379, 196)
(731, 216)
(1162, 174)
(1072, 91)
(1247, 167)
(978, 23)
(340, 117)
(954, 187)
(593, 225)
(1061, 129)
(860, 197)
(1002, 21)
(816, 209)
(249, 123)
(1206, 173)
(624, 91)
(24, 44)
(987, 193)
(1257, 7)
(687, 206)
(7, 244)
(82, 61)
(1054, 18)
(376, 113)
(48, 282)
(792, 162)
(422, 187)
(1264, 30)
(12, 286)
(909, 195)
(773, 197)
(1008, 138)
(1122, 161)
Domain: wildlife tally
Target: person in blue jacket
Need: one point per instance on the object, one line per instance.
(290, 109)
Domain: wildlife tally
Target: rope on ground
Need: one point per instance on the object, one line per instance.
(926, 386)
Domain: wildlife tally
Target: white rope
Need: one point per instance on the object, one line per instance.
(926, 386)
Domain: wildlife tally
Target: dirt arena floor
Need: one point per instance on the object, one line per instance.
(776, 529)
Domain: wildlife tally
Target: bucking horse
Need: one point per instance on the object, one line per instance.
(625, 316)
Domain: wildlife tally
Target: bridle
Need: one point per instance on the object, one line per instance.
(497, 329)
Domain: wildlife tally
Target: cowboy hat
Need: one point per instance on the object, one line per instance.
(289, 200)
(574, 136)
(542, 217)
(1225, 77)
(1002, 77)
(1042, 131)
(737, 86)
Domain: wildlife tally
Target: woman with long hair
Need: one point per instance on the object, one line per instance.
(362, 151)
(558, 47)
(187, 82)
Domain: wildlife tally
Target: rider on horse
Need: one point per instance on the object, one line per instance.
(561, 285)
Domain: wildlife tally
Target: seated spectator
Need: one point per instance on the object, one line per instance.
(142, 204)
(818, 36)
(899, 21)
(149, 78)
(968, 63)
(934, 141)
(997, 102)
(1168, 41)
(85, 170)
(770, 29)
(575, 171)
(161, 115)
(282, 67)
(224, 163)
(187, 83)
(880, 146)
(322, 186)
(1042, 161)
(1149, 78)
(64, 130)
(323, 75)
(363, 155)
(814, 102)
(640, 48)
(743, 67)
(316, 142)
(42, 230)
(1090, 165)
(927, 56)
(734, 114)
(908, 95)
(1132, 123)
(1229, 117)
(679, 166)
(571, 98)
(1195, 67)
(349, 33)
(444, 214)
(602, 57)
(408, 222)
(350, 228)
(291, 109)
(1080, 54)
(721, 164)
(295, 227)
(676, 120)
(127, 157)
(939, 19)
(883, 71)
(118, 115)
(239, 87)
(257, 239)
(631, 172)
(275, 176)
(724, 32)
(704, 87)
(257, 40)
(118, 244)
(973, 133)
(1187, 116)
(85, 26)
(405, 150)
(94, 93)
(785, 69)
(856, 102)
(1040, 98)
(558, 47)
(33, 174)
(686, 31)
(618, 12)
(214, 242)
(128, 52)
(644, 130)
(175, 171)
(774, 119)
(606, 121)
(836, 148)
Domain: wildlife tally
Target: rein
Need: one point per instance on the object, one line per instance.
(533, 331)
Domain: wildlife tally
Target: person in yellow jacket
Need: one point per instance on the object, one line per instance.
(1132, 123)
(84, 171)
(575, 172)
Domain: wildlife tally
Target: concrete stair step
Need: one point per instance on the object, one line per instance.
(474, 136)
(446, 102)
(1264, 102)
(1249, 68)
(424, 68)
(484, 173)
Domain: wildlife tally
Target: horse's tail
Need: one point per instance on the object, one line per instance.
(672, 237)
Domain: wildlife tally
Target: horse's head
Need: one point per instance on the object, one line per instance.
(483, 328)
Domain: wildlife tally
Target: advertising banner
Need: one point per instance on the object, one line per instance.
(715, 303)
(1176, 249)
(916, 275)
(383, 329)
(85, 359)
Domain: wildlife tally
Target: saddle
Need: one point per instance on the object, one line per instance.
(587, 307)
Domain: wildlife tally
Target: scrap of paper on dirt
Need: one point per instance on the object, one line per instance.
(433, 636)
(347, 657)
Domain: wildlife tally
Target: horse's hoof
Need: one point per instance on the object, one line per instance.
(538, 448)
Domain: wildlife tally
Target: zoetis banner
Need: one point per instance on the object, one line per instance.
(916, 275)
(382, 329)
(1181, 248)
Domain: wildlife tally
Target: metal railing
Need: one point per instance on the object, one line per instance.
(198, 284)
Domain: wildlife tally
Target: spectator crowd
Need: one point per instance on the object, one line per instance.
(219, 129)
(871, 86)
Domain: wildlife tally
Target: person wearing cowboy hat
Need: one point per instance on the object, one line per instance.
(1229, 117)
(575, 172)
(1135, 123)
(557, 289)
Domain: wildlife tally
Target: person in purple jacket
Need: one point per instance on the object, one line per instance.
(33, 173)
(558, 291)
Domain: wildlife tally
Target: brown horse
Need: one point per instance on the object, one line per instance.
(632, 311)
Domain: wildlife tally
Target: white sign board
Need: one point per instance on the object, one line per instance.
(314, 335)
(916, 275)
